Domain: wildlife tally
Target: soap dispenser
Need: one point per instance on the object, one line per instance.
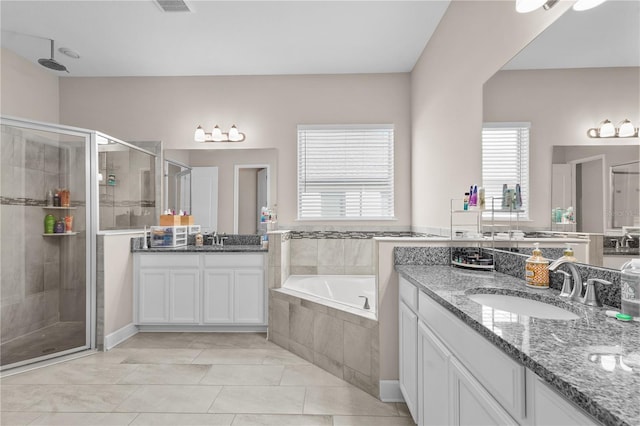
(537, 270)
(567, 254)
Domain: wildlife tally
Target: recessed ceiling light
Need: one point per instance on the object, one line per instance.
(69, 52)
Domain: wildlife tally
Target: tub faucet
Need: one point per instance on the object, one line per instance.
(366, 302)
(576, 293)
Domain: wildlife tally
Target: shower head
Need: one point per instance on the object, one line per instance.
(51, 63)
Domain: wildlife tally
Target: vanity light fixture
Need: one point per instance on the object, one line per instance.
(217, 135)
(526, 6)
(606, 129)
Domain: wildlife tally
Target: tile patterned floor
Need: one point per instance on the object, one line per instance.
(191, 379)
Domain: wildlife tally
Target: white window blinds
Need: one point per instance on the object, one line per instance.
(505, 159)
(345, 172)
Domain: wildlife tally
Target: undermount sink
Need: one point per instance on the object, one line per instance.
(523, 306)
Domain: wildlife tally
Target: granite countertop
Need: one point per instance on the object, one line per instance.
(593, 361)
(246, 248)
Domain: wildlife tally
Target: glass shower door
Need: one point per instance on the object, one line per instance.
(44, 271)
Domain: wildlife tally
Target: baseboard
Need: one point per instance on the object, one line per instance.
(390, 391)
(203, 328)
(119, 336)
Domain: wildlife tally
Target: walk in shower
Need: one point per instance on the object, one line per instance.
(46, 274)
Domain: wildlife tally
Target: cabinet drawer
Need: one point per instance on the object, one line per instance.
(169, 260)
(502, 376)
(233, 260)
(409, 294)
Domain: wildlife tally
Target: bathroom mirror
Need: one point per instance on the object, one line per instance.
(246, 163)
(581, 70)
(177, 186)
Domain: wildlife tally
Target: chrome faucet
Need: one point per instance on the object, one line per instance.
(576, 292)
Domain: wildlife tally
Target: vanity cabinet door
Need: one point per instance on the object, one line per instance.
(218, 296)
(184, 296)
(153, 306)
(249, 297)
(471, 404)
(433, 379)
(408, 358)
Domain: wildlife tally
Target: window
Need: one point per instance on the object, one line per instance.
(345, 172)
(505, 159)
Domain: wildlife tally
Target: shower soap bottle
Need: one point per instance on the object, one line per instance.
(537, 270)
(49, 223)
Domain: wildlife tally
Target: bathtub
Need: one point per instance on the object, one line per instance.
(337, 291)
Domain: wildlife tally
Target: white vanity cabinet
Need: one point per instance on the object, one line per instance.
(234, 289)
(201, 290)
(168, 293)
(463, 379)
(408, 337)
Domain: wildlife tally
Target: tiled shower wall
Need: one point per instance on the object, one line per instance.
(42, 278)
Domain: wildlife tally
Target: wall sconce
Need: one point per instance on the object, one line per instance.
(606, 129)
(216, 135)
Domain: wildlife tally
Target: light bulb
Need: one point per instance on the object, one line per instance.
(199, 136)
(607, 130)
(626, 129)
(581, 5)
(526, 6)
(234, 135)
(216, 134)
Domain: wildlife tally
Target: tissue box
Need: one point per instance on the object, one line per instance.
(169, 220)
(168, 236)
(186, 220)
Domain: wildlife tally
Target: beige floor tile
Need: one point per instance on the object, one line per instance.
(403, 410)
(345, 401)
(309, 375)
(371, 421)
(230, 356)
(281, 420)
(173, 419)
(239, 375)
(160, 356)
(259, 400)
(64, 398)
(280, 356)
(83, 419)
(87, 374)
(166, 374)
(114, 356)
(230, 340)
(17, 418)
(170, 399)
(158, 341)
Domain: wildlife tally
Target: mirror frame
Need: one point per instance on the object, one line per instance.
(236, 189)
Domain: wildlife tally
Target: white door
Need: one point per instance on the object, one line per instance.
(184, 296)
(249, 297)
(408, 358)
(433, 379)
(153, 302)
(204, 197)
(218, 296)
(471, 403)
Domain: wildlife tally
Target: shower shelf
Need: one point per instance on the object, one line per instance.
(58, 208)
(62, 234)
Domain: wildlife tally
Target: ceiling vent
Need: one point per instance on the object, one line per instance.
(173, 5)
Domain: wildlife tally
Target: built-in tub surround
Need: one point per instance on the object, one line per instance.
(342, 343)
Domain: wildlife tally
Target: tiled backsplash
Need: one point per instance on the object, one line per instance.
(513, 264)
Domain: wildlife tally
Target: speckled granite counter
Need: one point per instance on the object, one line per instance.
(593, 361)
(204, 249)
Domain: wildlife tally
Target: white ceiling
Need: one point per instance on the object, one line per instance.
(135, 38)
